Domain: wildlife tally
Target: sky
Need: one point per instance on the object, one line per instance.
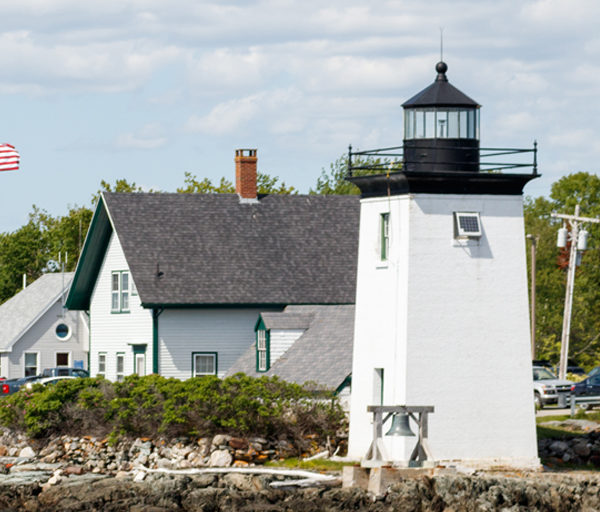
(147, 90)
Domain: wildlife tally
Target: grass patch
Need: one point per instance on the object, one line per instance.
(310, 465)
(558, 417)
(546, 432)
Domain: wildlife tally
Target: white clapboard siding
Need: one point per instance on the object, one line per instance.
(112, 333)
(41, 338)
(228, 332)
(281, 340)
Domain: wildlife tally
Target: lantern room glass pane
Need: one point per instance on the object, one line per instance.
(430, 124)
(462, 124)
(453, 125)
(471, 124)
(420, 120)
(442, 124)
(409, 122)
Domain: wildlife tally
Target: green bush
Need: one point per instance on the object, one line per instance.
(157, 406)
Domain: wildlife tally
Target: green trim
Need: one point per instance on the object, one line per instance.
(245, 305)
(261, 327)
(120, 273)
(155, 314)
(137, 350)
(90, 260)
(216, 354)
(89, 357)
(345, 383)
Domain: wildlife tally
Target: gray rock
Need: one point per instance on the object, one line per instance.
(163, 463)
(582, 449)
(559, 447)
(220, 458)
(220, 440)
(27, 452)
(242, 482)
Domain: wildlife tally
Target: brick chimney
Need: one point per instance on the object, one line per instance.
(245, 173)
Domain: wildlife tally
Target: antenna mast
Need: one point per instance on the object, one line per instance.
(441, 44)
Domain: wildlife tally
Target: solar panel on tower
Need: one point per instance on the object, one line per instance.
(9, 158)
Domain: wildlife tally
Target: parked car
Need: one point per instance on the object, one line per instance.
(547, 387)
(11, 386)
(62, 371)
(587, 389)
(594, 371)
(44, 381)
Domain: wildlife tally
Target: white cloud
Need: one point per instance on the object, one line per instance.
(150, 136)
(225, 117)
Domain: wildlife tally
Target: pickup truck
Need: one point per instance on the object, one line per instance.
(10, 386)
(547, 388)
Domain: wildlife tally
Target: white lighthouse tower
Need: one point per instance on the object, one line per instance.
(442, 305)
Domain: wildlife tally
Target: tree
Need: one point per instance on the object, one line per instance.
(265, 184)
(28, 249)
(334, 181)
(121, 185)
(584, 346)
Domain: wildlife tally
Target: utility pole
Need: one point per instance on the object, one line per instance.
(573, 235)
(534, 239)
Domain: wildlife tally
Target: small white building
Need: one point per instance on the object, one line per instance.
(37, 332)
(174, 283)
(442, 301)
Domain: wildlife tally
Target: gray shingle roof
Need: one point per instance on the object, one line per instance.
(213, 249)
(20, 312)
(323, 354)
(287, 320)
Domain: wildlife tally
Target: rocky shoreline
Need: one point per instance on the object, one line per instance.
(161, 492)
(96, 455)
(223, 473)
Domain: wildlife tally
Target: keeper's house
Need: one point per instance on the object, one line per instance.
(174, 283)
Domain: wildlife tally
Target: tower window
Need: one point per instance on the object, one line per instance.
(384, 222)
(467, 225)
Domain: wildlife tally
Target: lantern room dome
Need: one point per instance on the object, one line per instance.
(440, 93)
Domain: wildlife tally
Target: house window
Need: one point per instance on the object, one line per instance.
(467, 225)
(63, 332)
(204, 363)
(120, 366)
(62, 359)
(119, 292)
(31, 364)
(101, 365)
(384, 223)
(262, 350)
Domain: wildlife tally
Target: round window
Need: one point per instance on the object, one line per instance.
(62, 331)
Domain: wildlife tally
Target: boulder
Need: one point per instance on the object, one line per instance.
(220, 458)
(27, 452)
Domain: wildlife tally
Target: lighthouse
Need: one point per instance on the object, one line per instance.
(442, 303)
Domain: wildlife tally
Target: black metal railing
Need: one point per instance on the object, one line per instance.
(392, 159)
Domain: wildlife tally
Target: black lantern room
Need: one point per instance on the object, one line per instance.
(440, 152)
(441, 128)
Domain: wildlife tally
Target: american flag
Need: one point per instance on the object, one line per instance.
(9, 158)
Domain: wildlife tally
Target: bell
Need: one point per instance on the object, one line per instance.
(400, 426)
